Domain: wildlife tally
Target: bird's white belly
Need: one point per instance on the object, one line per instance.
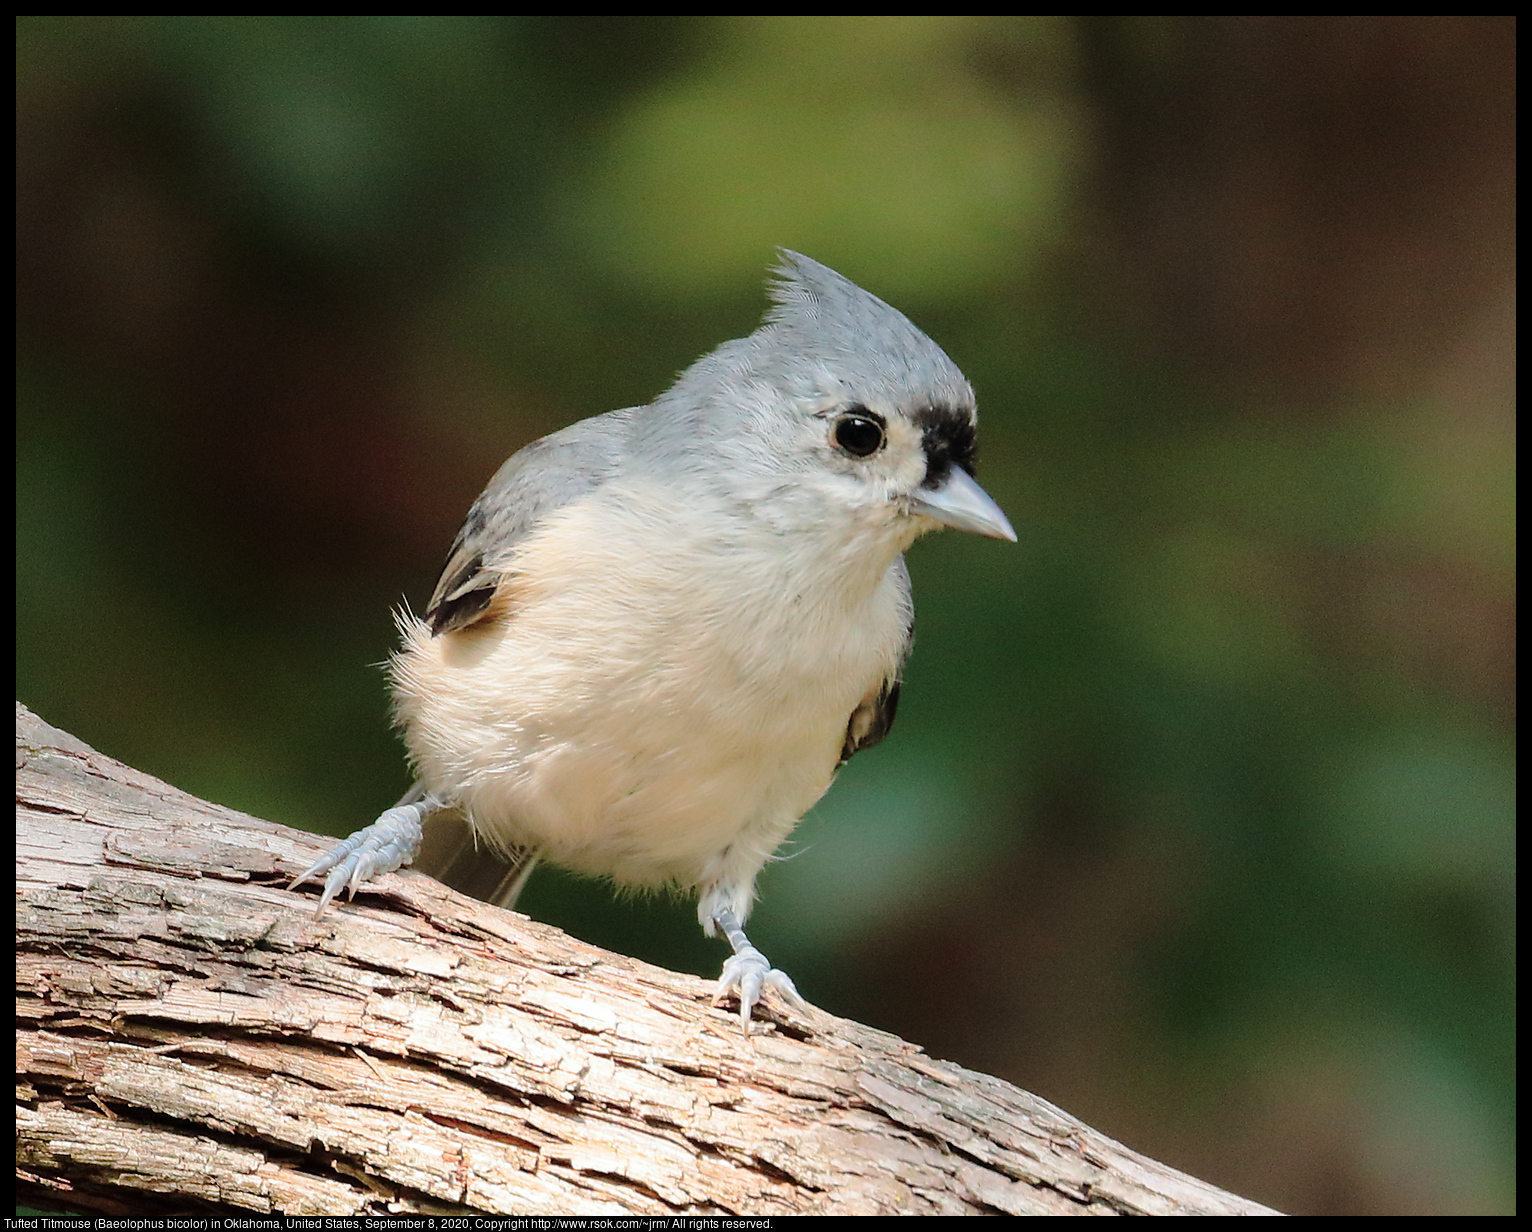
(641, 738)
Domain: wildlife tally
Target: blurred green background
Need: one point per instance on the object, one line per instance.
(1198, 817)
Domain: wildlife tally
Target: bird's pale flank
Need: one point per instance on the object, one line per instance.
(662, 630)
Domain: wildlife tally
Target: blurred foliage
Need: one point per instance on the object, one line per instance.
(1199, 816)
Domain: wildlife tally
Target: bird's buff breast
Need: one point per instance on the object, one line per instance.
(643, 697)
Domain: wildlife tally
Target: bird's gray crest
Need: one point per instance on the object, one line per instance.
(824, 341)
(818, 312)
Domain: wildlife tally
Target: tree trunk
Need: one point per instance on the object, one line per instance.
(190, 1037)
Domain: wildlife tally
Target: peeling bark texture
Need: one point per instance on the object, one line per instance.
(190, 1038)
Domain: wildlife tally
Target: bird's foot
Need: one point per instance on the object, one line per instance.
(390, 842)
(749, 972)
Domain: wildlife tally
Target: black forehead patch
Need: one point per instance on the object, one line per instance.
(948, 438)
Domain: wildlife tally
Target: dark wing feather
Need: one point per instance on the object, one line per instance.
(871, 720)
(874, 714)
(546, 475)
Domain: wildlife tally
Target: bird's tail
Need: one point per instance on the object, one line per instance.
(452, 853)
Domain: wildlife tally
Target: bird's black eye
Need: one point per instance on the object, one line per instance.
(859, 433)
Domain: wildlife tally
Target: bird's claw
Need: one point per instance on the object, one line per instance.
(387, 844)
(750, 973)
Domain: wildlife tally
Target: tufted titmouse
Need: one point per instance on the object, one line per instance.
(661, 631)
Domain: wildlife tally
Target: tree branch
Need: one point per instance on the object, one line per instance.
(190, 1037)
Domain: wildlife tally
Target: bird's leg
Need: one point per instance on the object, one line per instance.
(391, 841)
(748, 970)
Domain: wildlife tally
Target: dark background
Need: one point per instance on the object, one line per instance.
(1198, 818)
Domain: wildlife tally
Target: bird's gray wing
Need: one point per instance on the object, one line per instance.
(534, 482)
(874, 714)
(541, 478)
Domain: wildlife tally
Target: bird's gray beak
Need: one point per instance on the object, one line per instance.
(960, 502)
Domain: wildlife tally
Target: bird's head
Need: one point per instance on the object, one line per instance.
(836, 403)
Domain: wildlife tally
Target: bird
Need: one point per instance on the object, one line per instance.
(661, 631)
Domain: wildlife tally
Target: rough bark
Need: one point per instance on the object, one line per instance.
(189, 1036)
